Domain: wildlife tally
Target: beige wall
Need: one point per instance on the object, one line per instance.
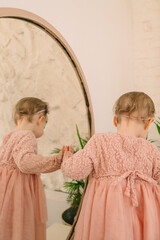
(146, 38)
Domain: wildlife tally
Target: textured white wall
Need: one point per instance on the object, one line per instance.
(146, 51)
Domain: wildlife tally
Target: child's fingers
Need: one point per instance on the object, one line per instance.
(63, 149)
(70, 149)
(67, 148)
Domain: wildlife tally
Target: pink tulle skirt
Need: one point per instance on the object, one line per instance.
(23, 212)
(108, 214)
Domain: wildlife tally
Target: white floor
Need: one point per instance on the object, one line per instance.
(58, 231)
(56, 204)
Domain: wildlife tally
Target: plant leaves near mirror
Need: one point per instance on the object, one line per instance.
(74, 188)
(157, 123)
(156, 142)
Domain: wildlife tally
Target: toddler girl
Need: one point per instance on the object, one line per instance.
(22, 200)
(122, 200)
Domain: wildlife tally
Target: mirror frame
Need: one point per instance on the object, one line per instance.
(49, 29)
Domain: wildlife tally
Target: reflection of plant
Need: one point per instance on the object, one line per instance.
(74, 190)
(75, 187)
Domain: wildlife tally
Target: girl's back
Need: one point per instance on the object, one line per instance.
(122, 200)
(116, 153)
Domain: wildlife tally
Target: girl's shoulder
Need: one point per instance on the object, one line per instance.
(118, 138)
(103, 138)
(17, 135)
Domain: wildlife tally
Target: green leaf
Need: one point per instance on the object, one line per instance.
(84, 142)
(158, 127)
(79, 137)
(55, 150)
(75, 150)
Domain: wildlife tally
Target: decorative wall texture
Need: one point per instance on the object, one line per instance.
(33, 64)
(146, 52)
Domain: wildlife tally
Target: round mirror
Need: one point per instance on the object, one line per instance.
(36, 61)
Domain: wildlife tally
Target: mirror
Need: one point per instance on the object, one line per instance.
(37, 61)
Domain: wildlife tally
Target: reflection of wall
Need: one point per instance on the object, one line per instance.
(33, 64)
(146, 23)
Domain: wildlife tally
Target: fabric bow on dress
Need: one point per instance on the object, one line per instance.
(130, 190)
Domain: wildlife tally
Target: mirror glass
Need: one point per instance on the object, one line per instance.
(35, 63)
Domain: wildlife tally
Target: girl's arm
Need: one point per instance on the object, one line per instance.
(26, 159)
(79, 165)
(32, 163)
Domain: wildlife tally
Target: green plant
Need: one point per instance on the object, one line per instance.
(74, 190)
(75, 187)
(157, 123)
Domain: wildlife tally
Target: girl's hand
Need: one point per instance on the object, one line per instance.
(67, 148)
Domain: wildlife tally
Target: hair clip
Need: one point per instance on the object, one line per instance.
(44, 110)
(136, 118)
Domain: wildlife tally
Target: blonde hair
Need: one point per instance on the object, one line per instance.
(134, 101)
(28, 106)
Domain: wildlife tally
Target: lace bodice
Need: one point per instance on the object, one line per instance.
(115, 157)
(113, 154)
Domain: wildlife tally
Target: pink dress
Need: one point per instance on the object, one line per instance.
(23, 212)
(122, 201)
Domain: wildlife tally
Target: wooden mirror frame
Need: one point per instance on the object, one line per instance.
(49, 29)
